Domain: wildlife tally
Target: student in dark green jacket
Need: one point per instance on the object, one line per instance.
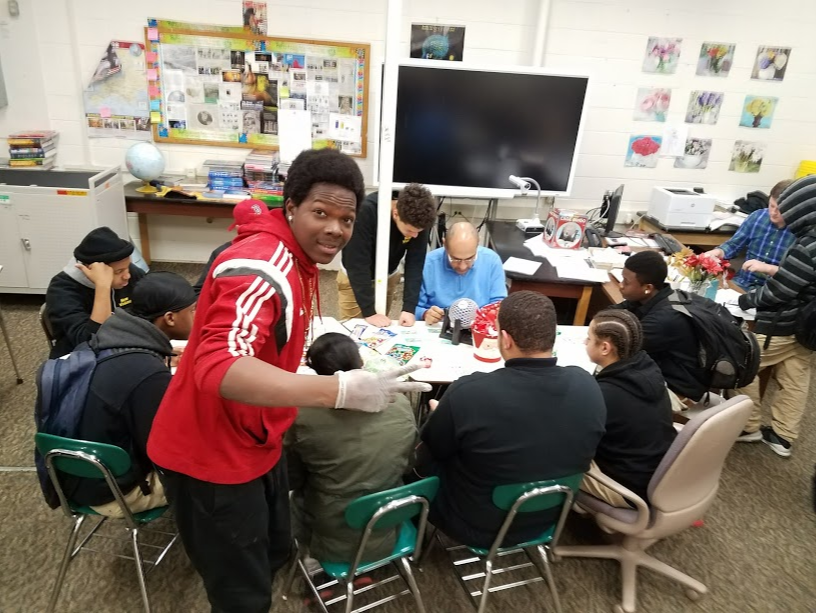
(337, 456)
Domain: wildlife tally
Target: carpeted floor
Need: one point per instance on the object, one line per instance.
(755, 551)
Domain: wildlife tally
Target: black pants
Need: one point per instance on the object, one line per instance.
(236, 535)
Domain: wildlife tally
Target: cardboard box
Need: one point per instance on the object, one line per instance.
(564, 229)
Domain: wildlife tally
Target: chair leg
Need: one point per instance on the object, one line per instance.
(140, 571)
(8, 346)
(673, 574)
(311, 584)
(412, 583)
(549, 577)
(291, 574)
(483, 599)
(350, 591)
(66, 560)
(424, 553)
(629, 570)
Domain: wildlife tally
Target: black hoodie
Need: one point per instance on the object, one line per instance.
(70, 301)
(781, 298)
(124, 396)
(639, 421)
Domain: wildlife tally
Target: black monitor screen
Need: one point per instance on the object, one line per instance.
(472, 128)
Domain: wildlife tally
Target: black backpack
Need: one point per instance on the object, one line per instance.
(62, 389)
(804, 325)
(730, 355)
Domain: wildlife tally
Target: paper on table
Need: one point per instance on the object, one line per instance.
(540, 248)
(729, 299)
(618, 274)
(344, 127)
(575, 270)
(294, 133)
(521, 265)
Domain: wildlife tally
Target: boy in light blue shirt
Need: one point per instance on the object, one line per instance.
(461, 269)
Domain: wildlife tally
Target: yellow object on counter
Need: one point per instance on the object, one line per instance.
(807, 167)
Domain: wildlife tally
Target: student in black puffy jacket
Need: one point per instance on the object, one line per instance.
(639, 427)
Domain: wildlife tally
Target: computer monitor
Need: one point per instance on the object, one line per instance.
(462, 130)
(612, 211)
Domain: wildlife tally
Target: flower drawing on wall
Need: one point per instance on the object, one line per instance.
(747, 157)
(642, 151)
(758, 111)
(704, 107)
(771, 63)
(696, 154)
(652, 104)
(662, 55)
(715, 60)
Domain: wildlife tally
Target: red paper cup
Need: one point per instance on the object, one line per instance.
(486, 347)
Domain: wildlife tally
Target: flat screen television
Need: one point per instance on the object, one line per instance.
(611, 215)
(462, 130)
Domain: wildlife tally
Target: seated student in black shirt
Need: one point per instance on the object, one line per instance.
(531, 420)
(127, 388)
(639, 413)
(669, 335)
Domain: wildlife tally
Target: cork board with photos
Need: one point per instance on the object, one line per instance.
(220, 85)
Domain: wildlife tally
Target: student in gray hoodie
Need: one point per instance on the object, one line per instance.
(99, 278)
(128, 386)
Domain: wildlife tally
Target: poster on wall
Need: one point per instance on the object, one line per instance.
(715, 59)
(437, 42)
(704, 107)
(642, 151)
(696, 154)
(747, 156)
(116, 99)
(230, 88)
(758, 111)
(662, 55)
(254, 15)
(652, 104)
(770, 63)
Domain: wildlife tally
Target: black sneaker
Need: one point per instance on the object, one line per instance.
(779, 446)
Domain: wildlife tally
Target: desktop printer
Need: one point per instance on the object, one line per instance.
(681, 208)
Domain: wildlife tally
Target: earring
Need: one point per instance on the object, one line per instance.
(645, 291)
(289, 218)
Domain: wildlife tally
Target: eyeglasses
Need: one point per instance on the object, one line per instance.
(470, 260)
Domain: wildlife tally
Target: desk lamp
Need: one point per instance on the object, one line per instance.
(532, 225)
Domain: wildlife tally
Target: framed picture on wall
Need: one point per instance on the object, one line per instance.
(770, 63)
(437, 42)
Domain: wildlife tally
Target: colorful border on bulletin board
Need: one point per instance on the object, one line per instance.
(292, 53)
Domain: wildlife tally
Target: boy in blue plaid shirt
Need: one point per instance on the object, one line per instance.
(765, 238)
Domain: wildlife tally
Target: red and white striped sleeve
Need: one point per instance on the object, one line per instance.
(251, 307)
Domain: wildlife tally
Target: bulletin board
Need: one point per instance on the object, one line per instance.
(220, 85)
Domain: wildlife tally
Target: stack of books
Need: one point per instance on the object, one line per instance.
(260, 166)
(225, 180)
(34, 150)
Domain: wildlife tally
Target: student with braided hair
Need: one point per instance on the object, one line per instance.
(639, 427)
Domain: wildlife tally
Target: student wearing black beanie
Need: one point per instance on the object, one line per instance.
(99, 278)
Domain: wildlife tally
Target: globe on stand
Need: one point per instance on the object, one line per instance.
(145, 162)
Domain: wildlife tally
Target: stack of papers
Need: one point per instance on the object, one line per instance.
(579, 269)
(607, 258)
(521, 265)
(729, 299)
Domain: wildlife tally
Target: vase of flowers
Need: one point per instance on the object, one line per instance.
(769, 62)
(759, 108)
(700, 269)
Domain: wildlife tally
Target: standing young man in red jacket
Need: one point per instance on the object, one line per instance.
(217, 436)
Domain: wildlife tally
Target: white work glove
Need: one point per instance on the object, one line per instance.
(372, 392)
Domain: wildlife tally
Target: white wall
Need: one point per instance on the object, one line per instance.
(21, 60)
(607, 39)
(603, 37)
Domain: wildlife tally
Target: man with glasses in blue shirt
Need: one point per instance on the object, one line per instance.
(765, 238)
(460, 269)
